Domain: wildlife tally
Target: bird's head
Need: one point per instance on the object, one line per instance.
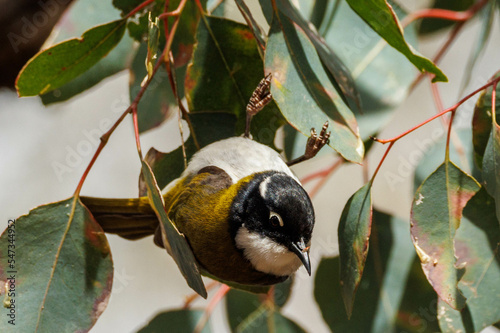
(272, 223)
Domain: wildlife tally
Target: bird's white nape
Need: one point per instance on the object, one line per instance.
(265, 254)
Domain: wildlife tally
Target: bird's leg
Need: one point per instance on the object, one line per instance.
(313, 145)
(260, 98)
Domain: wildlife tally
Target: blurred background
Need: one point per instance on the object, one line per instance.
(45, 149)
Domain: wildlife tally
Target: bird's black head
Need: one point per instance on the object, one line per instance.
(272, 223)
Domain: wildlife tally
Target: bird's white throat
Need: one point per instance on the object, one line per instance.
(265, 254)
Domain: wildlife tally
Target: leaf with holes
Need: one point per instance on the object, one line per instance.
(184, 320)
(174, 241)
(382, 286)
(382, 19)
(225, 70)
(477, 244)
(58, 65)
(303, 91)
(81, 16)
(354, 235)
(60, 262)
(435, 216)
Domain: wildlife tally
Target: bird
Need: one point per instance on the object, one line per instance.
(244, 213)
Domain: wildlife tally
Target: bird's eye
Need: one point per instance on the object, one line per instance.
(275, 219)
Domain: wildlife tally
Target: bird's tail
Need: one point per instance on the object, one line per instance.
(129, 218)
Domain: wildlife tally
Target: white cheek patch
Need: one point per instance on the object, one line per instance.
(263, 187)
(265, 254)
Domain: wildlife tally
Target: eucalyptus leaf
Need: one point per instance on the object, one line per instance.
(225, 70)
(385, 280)
(62, 269)
(177, 321)
(247, 313)
(383, 20)
(300, 83)
(354, 235)
(175, 242)
(491, 166)
(381, 74)
(477, 243)
(435, 216)
(81, 16)
(482, 122)
(58, 65)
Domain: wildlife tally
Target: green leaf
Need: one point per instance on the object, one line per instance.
(382, 286)
(225, 70)
(56, 66)
(303, 91)
(335, 69)
(177, 321)
(482, 121)
(175, 243)
(63, 269)
(354, 234)
(477, 243)
(208, 127)
(246, 313)
(257, 30)
(491, 166)
(382, 19)
(430, 25)
(435, 216)
(381, 74)
(81, 16)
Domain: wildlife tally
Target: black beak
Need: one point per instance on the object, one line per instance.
(300, 249)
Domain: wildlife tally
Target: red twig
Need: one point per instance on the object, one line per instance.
(444, 14)
(382, 161)
(325, 175)
(451, 109)
(105, 137)
(219, 295)
(138, 8)
(494, 104)
(448, 136)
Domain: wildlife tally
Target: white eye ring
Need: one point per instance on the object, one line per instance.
(280, 220)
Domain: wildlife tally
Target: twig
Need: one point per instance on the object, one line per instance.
(451, 109)
(105, 137)
(325, 176)
(223, 290)
(138, 8)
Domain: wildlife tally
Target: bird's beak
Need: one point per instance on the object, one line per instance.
(300, 249)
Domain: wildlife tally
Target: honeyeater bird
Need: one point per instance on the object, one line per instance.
(243, 212)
